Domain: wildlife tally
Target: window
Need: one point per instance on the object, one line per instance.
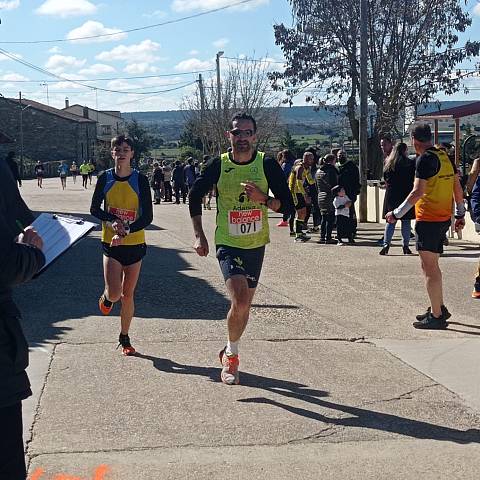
(105, 129)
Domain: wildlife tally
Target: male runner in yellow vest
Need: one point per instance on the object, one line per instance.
(436, 184)
(243, 177)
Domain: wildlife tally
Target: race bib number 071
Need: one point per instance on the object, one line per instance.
(244, 222)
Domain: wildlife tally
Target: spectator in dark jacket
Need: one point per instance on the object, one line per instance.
(475, 212)
(326, 178)
(157, 183)
(12, 164)
(178, 177)
(399, 175)
(189, 173)
(286, 159)
(20, 258)
(349, 179)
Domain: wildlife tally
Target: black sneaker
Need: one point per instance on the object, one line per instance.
(445, 313)
(431, 323)
(302, 238)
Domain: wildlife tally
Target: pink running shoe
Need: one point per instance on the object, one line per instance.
(282, 223)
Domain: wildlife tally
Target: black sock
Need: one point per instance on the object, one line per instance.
(106, 301)
(298, 226)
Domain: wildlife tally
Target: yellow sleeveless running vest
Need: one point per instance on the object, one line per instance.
(436, 204)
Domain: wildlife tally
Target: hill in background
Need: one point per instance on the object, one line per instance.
(297, 120)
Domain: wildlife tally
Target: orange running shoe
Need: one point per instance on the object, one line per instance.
(475, 293)
(105, 305)
(124, 341)
(229, 375)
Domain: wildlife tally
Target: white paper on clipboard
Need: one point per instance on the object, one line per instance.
(59, 233)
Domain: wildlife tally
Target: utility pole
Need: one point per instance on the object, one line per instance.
(363, 110)
(219, 88)
(202, 109)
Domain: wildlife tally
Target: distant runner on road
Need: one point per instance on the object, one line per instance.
(243, 177)
(127, 210)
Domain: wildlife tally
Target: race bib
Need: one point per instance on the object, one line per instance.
(244, 222)
(124, 214)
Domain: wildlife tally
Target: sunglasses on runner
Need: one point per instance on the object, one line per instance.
(236, 132)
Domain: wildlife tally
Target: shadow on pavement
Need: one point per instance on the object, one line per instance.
(357, 417)
(69, 289)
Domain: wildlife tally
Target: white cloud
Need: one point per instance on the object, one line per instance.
(54, 50)
(193, 64)
(12, 77)
(156, 14)
(193, 53)
(476, 10)
(122, 85)
(221, 42)
(141, 52)
(58, 63)
(4, 58)
(9, 5)
(140, 68)
(188, 5)
(66, 8)
(91, 28)
(96, 69)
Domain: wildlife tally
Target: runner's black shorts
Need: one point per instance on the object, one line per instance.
(430, 235)
(241, 261)
(300, 202)
(125, 254)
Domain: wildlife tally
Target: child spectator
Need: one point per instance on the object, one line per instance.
(342, 204)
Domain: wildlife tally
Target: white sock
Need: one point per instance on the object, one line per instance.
(232, 348)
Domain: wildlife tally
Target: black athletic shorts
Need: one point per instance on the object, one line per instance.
(241, 261)
(300, 202)
(125, 254)
(430, 235)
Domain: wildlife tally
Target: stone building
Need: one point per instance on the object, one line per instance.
(49, 134)
(109, 123)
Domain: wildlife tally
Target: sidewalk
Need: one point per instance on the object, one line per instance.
(335, 383)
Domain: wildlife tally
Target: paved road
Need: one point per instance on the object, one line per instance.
(335, 383)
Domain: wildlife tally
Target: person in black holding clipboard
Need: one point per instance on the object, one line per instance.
(21, 258)
(127, 210)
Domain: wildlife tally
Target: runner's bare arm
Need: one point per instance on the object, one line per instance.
(201, 243)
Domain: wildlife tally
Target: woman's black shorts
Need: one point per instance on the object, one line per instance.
(125, 254)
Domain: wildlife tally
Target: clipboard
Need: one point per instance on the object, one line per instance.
(59, 233)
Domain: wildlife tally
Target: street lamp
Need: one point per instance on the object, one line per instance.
(219, 90)
(45, 84)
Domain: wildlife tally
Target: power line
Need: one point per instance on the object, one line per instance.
(111, 78)
(63, 79)
(155, 94)
(256, 60)
(168, 22)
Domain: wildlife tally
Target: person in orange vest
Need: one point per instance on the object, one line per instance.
(436, 184)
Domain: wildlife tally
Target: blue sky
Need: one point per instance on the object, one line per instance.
(173, 50)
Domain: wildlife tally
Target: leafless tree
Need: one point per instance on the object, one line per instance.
(245, 87)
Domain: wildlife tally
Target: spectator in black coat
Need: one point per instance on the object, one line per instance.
(349, 179)
(179, 186)
(20, 258)
(326, 178)
(157, 183)
(12, 164)
(399, 175)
